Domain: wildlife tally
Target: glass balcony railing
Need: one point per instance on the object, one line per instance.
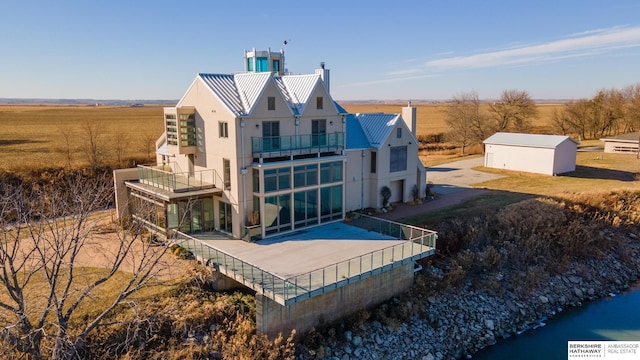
(275, 146)
(164, 177)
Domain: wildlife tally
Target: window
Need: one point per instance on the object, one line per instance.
(318, 132)
(305, 208)
(226, 166)
(399, 133)
(271, 103)
(305, 175)
(250, 64)
(331, 172)
(331, 203)
(319, 102)
(223, 129)
(256, 180)
(270, 135)
(262, 64)
(277, 179)
(374, 162)
(279, 209)
(398, 158)
(276, 66)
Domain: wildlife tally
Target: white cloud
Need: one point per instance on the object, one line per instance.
(583, 44)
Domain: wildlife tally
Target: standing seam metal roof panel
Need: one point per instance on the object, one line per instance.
(224, 87)
(357, 138)
(299, 89)
(377, 126)
(250, 86)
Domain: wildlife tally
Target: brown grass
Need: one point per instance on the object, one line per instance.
(431, 117)
(32, 137)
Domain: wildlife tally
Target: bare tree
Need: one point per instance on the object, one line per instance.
(467, 125)
(43, 233)
(513, 112)
(631, 121)
(120, 146)
(93, 145)
(561, 122)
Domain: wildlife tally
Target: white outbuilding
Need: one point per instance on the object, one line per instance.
(542, 154)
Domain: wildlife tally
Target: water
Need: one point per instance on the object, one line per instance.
(611, 318)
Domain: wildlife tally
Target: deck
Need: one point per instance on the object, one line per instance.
(302, 264)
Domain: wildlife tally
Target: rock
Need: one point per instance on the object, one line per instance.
(431, 300)
(356, 341)
(429, 356)
(348, 335)
(348, 349)
(378, 339)
(358, 352)
(543, 299)
(512, 306)
(578, 292)
(591, 292)
(575, 279)
(489, 324)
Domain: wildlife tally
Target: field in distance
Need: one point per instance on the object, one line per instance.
(431, 117)
(35, 136)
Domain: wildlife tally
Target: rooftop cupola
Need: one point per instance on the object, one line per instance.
(264, 61)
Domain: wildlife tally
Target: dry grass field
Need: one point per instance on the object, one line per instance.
(431, 117)
(36, 136)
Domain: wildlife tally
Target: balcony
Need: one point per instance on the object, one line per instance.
(278, 146)
(166, 177)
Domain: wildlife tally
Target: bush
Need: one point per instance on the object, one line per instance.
(385, 192)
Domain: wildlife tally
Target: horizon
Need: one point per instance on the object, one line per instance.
(412, 50)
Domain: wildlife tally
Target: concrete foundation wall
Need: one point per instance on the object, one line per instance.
(122, 200)
(273, 318)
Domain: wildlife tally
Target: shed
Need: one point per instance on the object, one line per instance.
(622, 144)
(542, 154)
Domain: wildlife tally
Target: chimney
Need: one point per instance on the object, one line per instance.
(409, 117)
(324, 75)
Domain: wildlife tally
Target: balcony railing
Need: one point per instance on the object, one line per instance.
(419, 244)
(166, 178)
(276, 146)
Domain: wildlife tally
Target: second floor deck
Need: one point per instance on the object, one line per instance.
(278, 146)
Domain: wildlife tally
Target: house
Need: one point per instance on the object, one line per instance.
(542, 154)
(266, 149)
(622, 144)
(272, 159)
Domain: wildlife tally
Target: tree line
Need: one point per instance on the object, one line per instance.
(609, 112)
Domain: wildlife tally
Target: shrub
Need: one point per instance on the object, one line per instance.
(385, 192)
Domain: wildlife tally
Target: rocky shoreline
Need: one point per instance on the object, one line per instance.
(456, 323)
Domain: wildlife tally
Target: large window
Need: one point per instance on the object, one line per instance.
(191, 216)
(276, 65)
(226, 218)
(188, 129)
(331, 203)
(331, 172)
(226, 167)
(305, 208)
(277, 179)
(270, 135)
(305, 175)
(256, 180)
(319, 132)
(398, 158)
(277, 213)
(262, 64)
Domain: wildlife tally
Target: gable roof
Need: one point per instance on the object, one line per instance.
(240, 92)
(369, 130)
(527, 140)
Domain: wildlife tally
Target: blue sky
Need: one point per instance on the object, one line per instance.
(387, 50)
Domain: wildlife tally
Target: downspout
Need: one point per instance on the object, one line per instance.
(243, 172)
(362, 182)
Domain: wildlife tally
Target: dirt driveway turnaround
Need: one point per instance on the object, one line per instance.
(453, 185)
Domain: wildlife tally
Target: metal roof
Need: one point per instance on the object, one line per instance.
(527, 140)
(377, 126)
(240, 92)
(356, 138)
(630, 137)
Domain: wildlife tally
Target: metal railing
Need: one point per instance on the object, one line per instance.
(419, 244)
(167, 178)
(296, 144)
